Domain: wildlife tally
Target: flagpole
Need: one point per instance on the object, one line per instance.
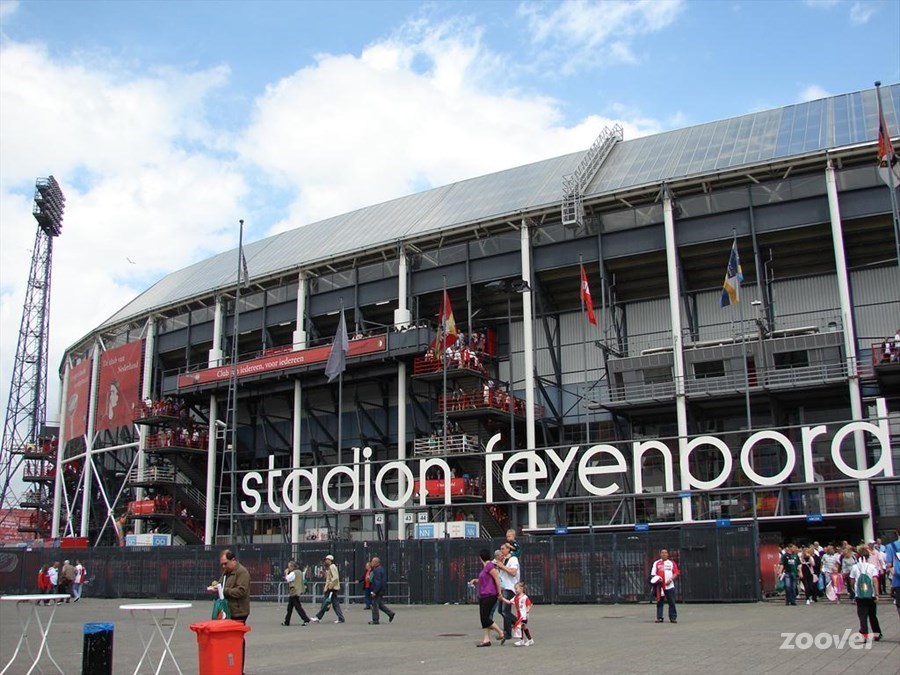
(743, 339)
(894, 209)
(340, 409)
(587, 420)
(443, 356)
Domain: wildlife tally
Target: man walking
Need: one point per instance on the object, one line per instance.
(378, 588)
(80, 573)
(509, 577)
(296, 582)
(66, 579)
(235, 589)
(892, 568)
(789, 570)
(332, 588)
(665, 572)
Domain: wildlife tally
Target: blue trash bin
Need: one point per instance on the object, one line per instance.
(97, 657)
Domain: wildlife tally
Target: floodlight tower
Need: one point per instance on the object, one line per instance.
(26, 410)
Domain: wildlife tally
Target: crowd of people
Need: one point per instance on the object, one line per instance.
(890, 349)
(170, 406)
(62, 579)
(467, 351)
(862, 573)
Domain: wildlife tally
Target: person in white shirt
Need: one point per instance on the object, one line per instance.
(53, 573)
(864, 577)
(509, 577)
(663, 573)
(80, 573)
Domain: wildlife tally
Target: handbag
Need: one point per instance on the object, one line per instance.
(326, 603)
(220, 609)
(779, 585)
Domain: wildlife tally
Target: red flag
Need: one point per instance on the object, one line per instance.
(447, 332)
(586, 297)
(887, 159)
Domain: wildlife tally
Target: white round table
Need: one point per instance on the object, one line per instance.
(34, 602)
(159, 612)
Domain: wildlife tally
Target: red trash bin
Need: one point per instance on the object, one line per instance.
(221, 646)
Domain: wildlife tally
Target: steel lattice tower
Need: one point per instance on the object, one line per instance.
(26, 410)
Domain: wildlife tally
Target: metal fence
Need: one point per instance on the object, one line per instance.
(718, 564)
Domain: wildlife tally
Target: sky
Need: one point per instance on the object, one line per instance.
(167, 122)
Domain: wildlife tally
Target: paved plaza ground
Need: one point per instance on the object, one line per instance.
(439, 639)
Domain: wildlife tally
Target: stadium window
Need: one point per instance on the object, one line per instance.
(796, 359)
(709, 369)
(657, 375)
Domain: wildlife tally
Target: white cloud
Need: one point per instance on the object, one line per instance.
(861, 12)
(147, 178)
(131, 155)
(8, 8)
(821, 4)
(582, 34)
(813, 92)
(409, 111)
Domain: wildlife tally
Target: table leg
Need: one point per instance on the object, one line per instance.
(23, 638)
(45, 630)
(166, 641)
(147, 643)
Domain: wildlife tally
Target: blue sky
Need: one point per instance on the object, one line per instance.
(166, 122)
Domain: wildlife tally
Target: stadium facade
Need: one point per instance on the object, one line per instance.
(781, 408)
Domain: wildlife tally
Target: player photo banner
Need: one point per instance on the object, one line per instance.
(76, 404)
(119, 387)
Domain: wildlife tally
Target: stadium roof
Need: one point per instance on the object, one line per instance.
(748, 140)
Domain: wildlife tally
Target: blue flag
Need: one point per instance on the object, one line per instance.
(337, 359)
(731, 289)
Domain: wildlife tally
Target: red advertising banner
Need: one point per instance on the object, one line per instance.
(119, 386)
(292, 359)
(76, 407)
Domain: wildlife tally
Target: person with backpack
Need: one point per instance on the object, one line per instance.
(864, 579)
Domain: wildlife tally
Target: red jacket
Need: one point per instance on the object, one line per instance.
(44, 582)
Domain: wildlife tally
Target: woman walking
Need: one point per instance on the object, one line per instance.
(489, 593)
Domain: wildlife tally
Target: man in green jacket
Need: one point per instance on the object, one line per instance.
(332, 588)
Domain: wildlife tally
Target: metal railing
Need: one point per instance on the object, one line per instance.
(757, 379)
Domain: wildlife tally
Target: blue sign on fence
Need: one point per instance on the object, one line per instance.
(641, 527)
(562, 529)
(723, 522)
(683, 494)
(814, 518)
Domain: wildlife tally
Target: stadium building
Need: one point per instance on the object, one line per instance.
(544, 348)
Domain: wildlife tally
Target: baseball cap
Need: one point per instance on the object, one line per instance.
(329, 557)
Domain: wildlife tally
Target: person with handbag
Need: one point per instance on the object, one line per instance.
(332, 588)
(234, 588)
(296, 580)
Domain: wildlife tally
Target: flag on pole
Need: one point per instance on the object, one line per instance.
(245, 271)
(447, 332)
(888, 166)
(586, 297)
(337, 358)
(731, 289)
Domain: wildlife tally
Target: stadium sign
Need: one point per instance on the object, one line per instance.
(521, 472)
(280, 361)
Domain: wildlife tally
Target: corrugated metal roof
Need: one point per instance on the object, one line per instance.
(727, 144)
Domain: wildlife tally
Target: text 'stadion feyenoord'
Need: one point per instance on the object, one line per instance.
(521, 472)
